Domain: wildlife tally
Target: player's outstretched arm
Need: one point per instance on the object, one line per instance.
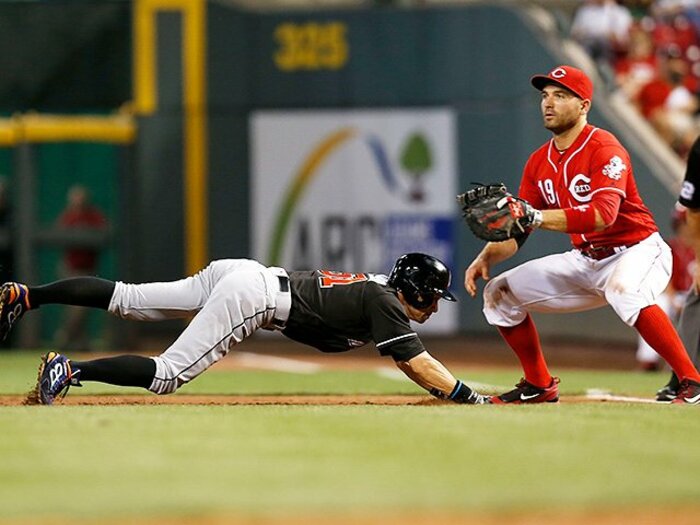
(493, 253)
(559, 221)
(431, 374)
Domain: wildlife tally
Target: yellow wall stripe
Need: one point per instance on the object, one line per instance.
(117, 129)
(195, 159)
(144, 58)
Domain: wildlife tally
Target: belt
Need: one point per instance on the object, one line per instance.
(603, 252)
(283, 298)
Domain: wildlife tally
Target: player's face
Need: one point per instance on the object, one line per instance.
(419, 315)
(561, 109)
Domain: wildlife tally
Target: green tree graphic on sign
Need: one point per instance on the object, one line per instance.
(416, 160)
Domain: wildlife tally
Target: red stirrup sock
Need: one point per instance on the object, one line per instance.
(525, 342)
(656, 329)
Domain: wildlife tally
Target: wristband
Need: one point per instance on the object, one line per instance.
(580, 219)
(537, 218)
(461, 393)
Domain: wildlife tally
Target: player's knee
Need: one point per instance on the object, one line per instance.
(497, 294)
(500, 306)
(617, 285)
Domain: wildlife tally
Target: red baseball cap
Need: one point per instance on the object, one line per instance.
(568, 77)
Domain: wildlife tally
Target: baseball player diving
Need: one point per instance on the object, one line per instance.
(231, 299)
(581, 183)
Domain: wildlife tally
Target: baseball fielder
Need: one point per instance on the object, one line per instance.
(231, 299)
(580, 182)
(689, 323)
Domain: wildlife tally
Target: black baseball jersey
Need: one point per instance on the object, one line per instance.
(690, 191)
(335, 312)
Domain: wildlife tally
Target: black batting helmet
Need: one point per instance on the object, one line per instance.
(421, 278)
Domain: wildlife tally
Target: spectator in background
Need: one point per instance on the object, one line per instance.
(78, 260)
(673, 298)
(672, 26)
(638, 66)
(669, 104)
(602, 27)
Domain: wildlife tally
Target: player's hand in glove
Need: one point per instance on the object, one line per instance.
(531, 217)
(493, 214)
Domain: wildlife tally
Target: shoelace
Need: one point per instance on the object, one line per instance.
(65, 386)
(522, 383)
(63, 392)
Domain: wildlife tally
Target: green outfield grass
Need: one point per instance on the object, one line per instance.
(93, 462)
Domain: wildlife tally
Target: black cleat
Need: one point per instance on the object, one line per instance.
(525, 392)
(14, 301)
(688, 393)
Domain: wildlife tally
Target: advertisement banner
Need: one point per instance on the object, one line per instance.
(353, 190)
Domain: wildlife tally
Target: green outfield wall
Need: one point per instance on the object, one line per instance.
(198, 72)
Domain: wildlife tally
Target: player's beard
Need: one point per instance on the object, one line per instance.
(561, 124)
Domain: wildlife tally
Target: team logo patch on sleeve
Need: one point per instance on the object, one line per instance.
(580, 188)
(614, 168)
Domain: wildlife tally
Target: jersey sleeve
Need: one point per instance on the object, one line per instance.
(608, 205)
(609, 169)
(528, 186)
(690, 196)
(391, 329)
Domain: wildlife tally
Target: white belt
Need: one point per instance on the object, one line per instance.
(283, 298)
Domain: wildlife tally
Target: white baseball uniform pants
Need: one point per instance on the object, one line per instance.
(230, 299)
(571, 282)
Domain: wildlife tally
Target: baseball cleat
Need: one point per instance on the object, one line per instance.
(56, 375)
(666, 394)
(525, 392)
(688, 393)
(14, 301)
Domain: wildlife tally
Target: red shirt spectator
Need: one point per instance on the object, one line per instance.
(653, 96)
(81, 214)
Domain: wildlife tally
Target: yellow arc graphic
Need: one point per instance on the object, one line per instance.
(308, 171)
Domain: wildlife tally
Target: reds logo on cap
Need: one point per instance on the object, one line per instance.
(559, 72)
(567, 77)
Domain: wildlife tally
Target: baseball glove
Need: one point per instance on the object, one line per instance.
(493, 214)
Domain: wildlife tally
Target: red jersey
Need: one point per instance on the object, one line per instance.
(595, 163)
(82, 259)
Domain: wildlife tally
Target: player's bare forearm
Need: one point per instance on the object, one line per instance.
(432, 375)
(555, 220)
(493, 253)
(428, 372)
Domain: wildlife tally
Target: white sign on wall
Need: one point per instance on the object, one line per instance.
(353, 190)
